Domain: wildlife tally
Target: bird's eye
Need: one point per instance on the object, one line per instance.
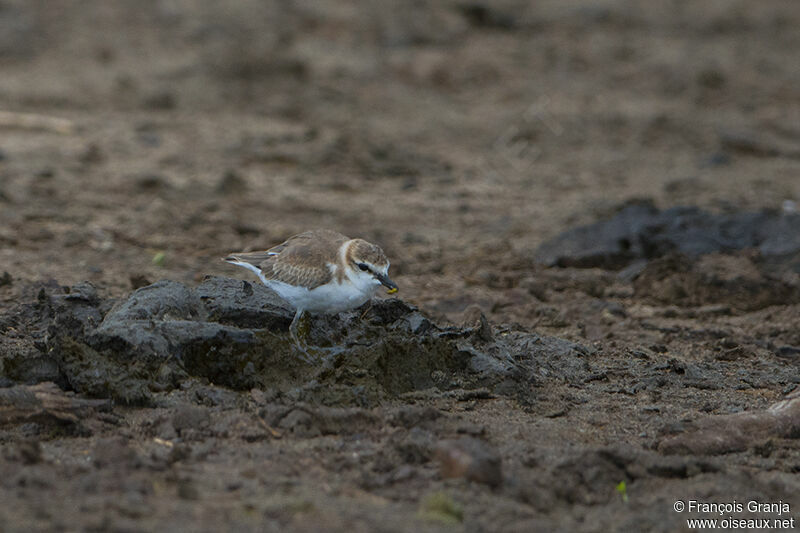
(363, 267)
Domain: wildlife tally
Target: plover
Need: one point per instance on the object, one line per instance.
(320, 271)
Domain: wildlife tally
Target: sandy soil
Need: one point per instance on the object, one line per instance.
(460, 136)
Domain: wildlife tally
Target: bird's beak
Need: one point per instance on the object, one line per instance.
(389, 284)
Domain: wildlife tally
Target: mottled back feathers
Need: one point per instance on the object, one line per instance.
(302, 260)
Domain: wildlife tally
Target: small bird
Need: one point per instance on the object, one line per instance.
(320, 271)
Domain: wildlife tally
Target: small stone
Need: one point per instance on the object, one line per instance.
(469, 458)
(476, 320)
(246, 229)
(150, 182)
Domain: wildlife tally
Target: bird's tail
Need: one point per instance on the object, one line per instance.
(249, 260)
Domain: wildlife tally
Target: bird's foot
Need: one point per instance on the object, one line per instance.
(300, 328)
(317, 355)
(300, 331)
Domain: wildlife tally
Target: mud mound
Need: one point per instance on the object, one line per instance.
(641, 231)
(235, 334)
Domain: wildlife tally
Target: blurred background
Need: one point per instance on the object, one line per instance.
(147, 139)
(143, 140)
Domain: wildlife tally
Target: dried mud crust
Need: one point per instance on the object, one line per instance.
(461, 137)
(166, 333)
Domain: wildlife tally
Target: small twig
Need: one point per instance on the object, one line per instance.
(272, 431)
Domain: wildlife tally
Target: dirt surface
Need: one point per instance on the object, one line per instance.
(522, 377)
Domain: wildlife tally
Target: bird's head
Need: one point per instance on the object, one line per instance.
(369, 265)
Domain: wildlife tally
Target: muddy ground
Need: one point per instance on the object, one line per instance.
(526, 370)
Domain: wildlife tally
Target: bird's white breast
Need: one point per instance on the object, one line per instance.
(329, 298)
(332, 297)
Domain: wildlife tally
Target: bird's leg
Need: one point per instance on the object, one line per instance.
(299, 326)
(367, 310)
(299, 330)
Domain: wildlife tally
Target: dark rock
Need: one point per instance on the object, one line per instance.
(151, 182)
(162, 301)
(612, 243)
(788, 352)
(477, 322)
(780, 235)
(243, 304)
(640, 231)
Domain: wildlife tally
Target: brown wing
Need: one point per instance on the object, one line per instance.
(314, 238)
(293, 260)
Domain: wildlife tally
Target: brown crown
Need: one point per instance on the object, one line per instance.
(360, 251)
